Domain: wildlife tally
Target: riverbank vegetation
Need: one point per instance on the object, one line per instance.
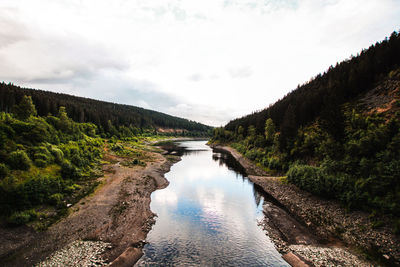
(336, 136)
(48, 163)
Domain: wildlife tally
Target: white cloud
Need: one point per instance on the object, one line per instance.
(222, 58)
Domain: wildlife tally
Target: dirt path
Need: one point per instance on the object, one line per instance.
(117, 213)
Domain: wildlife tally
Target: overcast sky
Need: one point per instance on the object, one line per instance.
(205, 60)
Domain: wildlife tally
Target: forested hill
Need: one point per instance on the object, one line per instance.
(104, 114)
(337, 136)
(323, 94)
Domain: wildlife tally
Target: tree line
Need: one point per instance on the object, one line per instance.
(323, 94)
(106, 116)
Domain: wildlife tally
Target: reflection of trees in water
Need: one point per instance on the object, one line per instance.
(257, 196)
(179, 150)
(226, 159)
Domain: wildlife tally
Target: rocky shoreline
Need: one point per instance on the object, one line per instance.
(337, 235)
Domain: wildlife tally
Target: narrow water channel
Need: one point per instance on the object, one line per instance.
(208, 215)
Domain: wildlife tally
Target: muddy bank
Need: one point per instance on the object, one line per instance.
(324, 226)
(118, 215)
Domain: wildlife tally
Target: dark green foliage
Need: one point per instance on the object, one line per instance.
(72, 188)
(22, 217)
(107, 118)
(38, 189)
(33, 191)
(362, 170)
(316, 180)
(3, 170)
(56, 199)
(25, 108)
(324, 94)
(69, 171)
(40, 163)
(57, 154)
(269, 130)
(19, 160)
(117, 147)
(62, 152)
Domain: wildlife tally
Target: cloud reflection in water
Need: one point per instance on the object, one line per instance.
(207, 216)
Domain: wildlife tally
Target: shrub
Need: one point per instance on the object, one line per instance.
(117, 147)
(3, 170)
(78, 161)
(42, 156)
(56, 199)
(69, 171)
(40, 163)
(38, 189)
(306, 177)
(22, 217)
(57, 154)
(72, 188)
(138, 162)
(19, 160)
(251, 154)
(274, 164)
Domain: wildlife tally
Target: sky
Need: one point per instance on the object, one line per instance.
(209, 61)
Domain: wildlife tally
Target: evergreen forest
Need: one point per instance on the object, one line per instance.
(111, 119)
(336, 136)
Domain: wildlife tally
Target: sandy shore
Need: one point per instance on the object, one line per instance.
(317, 231)
(109, 226)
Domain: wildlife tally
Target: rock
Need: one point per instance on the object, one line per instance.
(78, 253)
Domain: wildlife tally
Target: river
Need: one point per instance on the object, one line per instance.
(208, 215)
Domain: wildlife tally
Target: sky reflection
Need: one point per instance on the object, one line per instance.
(207, 216)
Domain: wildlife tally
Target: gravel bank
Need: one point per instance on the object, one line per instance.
(326, 256)
(78, 253)
(325, 218)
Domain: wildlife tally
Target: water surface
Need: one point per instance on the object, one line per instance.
(208, 215)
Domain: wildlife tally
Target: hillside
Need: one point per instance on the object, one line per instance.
(337, 136)
(320, 96)
(105, 115)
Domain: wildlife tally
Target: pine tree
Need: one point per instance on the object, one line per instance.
(25, 108)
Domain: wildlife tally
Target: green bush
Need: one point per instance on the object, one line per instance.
(72, 188)
(22, 217)
(38, 189)
(42, 156)
(138, 162)
(40, 163)
(56, 199)
(3, 170)
(117, 147)
(69, 171)
(57, 154)
(308, 178)
(274, 164)
(251, 154)
(19, 160)
(78, 161)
